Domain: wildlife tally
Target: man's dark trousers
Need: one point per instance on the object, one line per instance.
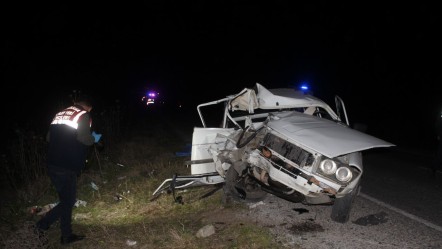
(65, 182)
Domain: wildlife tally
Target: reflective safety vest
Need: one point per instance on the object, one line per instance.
(65, 150)
(70, 117)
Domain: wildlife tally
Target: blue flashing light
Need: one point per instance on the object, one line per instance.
(304, 87)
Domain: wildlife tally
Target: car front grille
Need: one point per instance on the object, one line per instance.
(288, 150)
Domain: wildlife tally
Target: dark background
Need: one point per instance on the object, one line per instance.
(383, 59)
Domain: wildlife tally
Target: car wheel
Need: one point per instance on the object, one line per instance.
(342, 206)
(244, 189)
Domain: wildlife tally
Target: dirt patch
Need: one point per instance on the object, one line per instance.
(306, 227)
(372, 219)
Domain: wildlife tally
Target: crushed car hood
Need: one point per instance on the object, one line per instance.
(323, 136)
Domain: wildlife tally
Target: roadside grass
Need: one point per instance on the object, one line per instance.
(117, 186)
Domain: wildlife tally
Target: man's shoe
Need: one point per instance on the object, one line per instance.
(71, 239)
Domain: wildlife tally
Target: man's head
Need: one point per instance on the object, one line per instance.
(84, 101)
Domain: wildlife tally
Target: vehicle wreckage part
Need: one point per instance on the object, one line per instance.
(301, 182)
(261, 175)
(288, 150)
(342, 206)
(201, 140)
(340, 106)
(242, 188)
(208, 160)
(304, 159)
(274, 189)
(189, 181)
(240, 144)
(329, 138)
(172, 185)
(208, 104)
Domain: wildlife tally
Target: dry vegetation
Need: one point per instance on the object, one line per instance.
(122, 213)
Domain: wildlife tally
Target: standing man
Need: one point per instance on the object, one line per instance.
(69, 138)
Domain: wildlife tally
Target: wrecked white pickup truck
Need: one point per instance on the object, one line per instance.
(279, 141)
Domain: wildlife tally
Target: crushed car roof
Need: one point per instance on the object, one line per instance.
(284, 98)
(278, 98)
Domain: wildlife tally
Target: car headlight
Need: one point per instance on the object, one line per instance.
(328, 166)
(344, 174)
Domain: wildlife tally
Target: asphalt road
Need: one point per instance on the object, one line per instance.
(399, 206)
(403, 178)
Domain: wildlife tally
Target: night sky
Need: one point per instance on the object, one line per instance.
(382, 59)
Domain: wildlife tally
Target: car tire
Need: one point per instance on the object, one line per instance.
(242, 189)
(342, 206)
